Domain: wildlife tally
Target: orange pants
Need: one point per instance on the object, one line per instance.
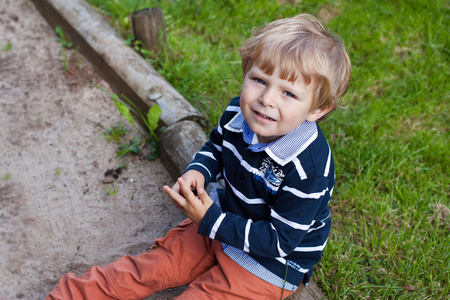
(181, 257)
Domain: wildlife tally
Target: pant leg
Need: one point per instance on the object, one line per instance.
(91, 285)
(179, 257)
(227, 280)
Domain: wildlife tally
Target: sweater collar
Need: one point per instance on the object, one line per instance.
(282, 150)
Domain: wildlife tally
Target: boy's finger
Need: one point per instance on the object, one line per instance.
(185, 189)
(204, 197)
(199, 185)
(176, 187)
(175, 196)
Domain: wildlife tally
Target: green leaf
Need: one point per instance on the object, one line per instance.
(8, 47)
(123, 109)
(135, 141)
(60, 32)
(62, 37)
(129, 41)
(135, 149)
(135, 145)
(154, 113)
(123, 149)
(153, 153)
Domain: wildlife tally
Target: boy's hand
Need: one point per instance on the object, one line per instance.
(195, 208)
(193, 179)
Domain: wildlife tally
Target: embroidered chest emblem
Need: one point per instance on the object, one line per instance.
(272, 175)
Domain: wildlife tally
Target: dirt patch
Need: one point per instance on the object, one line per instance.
(55, 215)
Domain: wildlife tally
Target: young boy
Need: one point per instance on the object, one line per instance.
(260, 237)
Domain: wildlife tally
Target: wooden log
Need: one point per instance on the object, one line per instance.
(148, 27)
(126, 71)
(310, 292)
(178, 145)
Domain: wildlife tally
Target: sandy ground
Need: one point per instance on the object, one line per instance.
(55, 215)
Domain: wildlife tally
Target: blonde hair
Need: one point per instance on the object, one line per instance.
(301, 45)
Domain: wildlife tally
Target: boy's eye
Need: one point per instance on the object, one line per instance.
(260, 81)
(289, 94)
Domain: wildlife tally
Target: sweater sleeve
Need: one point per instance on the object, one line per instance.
(208, 160)
(298, 209)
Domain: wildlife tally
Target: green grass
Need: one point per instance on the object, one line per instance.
(115, 133)
(58, 171)
(111, 190)
(7, 47)
(390, 236)
(6, 176)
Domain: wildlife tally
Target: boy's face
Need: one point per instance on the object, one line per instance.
(273, 106)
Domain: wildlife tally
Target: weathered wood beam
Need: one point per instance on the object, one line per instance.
(148, 27)
(127, 72)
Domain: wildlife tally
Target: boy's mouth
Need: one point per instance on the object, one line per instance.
(265, 117)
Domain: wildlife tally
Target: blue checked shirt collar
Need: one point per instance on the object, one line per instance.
(282, 150)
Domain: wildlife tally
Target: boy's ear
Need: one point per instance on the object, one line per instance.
(318, 113)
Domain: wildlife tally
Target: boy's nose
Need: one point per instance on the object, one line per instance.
(267, 99)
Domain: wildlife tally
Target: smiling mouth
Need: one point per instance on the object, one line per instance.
(264, 116)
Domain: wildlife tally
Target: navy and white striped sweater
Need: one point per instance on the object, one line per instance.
(274, 212)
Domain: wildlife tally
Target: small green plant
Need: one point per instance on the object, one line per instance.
(129, 41)
(62, 38)
(65, 44)
(8, 47)
(58, 171)
(134, 146)
(6, 176)
(123, 165)
(153, 153)
(151, 121)
(139, 48)
(115, 133)
(111, 190)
